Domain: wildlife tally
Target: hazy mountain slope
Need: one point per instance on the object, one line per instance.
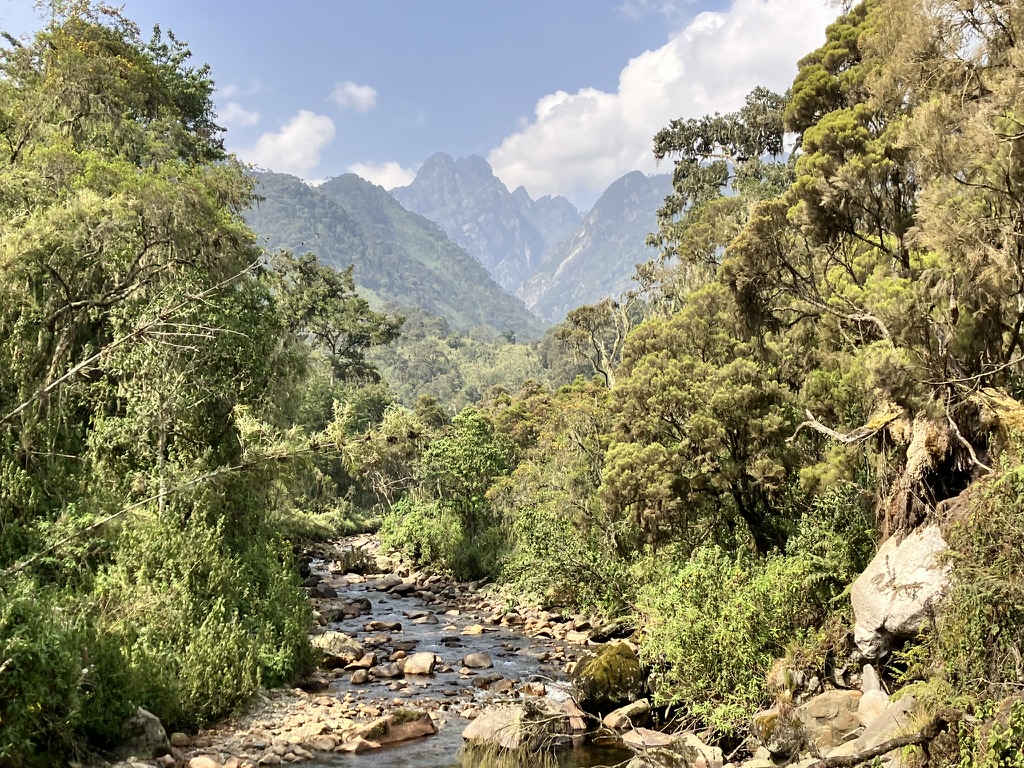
(400, 258)
(597, 260)
(508, 232)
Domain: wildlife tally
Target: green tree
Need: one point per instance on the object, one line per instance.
(700, 446)
(144, 397)
(321, 303)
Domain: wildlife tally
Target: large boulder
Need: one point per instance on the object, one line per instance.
(338, 648)
(610, 678)
(142, 736)
(420, 663)
(830, 719)
(677, 750)
(824, 722)
(899, 590)
(529, 726)
(401, 725)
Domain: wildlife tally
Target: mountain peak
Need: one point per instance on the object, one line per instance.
(506, 231)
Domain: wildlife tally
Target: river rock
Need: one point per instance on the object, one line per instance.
(478, 661)
(628, 716)
(401, 725)
(142, 735)
(180, 740)
(323, 591)
(390, 670)
(338, 648)
(529, 726)
(403, 588)
(388, 582)
(686, 749)
(420, 663)
(203, 761)
(830, 719)
(383, 626)
(610, 678)
(899, 590)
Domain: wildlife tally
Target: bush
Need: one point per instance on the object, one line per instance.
(555, 559)
(203, 620)
(715, 623)
(981, 632)
(430, 534)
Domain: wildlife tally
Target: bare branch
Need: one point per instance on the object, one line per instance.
(140, 331)
(869, 430)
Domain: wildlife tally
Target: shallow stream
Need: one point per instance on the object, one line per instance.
(516, 657)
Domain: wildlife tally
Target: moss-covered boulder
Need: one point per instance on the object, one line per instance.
(610, 678)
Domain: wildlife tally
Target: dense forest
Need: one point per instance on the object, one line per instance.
(826, 355)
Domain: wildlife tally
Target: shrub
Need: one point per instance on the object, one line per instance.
(715, 623)
(430, 533)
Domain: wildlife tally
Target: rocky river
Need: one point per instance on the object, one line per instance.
(410, 660)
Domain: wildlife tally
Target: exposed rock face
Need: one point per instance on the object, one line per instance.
(830, 719)
(507, 232)
(610, 678)
(899, 590)
(529, 726)
(824, 722)
(144, 737)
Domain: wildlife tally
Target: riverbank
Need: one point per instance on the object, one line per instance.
(400, 646)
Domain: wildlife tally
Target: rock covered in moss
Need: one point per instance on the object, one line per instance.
(610, 678)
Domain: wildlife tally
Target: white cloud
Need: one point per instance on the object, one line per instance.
(234, 114)
(349, 95)
(388, 175)
(296, 148)
(578, 143)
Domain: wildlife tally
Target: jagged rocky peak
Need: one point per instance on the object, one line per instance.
(442, 177)
(508, 232)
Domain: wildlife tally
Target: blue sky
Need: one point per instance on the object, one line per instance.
(562, 96)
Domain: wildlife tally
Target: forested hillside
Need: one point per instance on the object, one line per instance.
(598, 260)
(399, 258)
(786, 464)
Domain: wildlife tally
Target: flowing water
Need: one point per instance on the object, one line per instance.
(516, 657)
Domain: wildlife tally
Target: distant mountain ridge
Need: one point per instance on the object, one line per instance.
(598, 259)
(508, 232)
(542, 250)
(400, 258)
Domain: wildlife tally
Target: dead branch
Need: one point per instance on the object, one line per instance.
(861, 433)
(140, 331)
(963, 441)
(923, 737)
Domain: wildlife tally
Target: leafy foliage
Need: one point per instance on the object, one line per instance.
(715, 621)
